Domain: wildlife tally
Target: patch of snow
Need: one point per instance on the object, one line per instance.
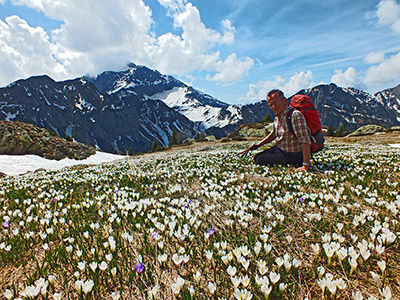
(19, 164)
(81, 103)
(173, 97)
(69, 129)
(394, 145)
(59, 106)
(10, 116)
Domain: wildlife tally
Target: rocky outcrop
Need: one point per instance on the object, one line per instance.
(22, 138)
(368, 130)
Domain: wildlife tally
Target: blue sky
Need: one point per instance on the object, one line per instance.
(233, 50)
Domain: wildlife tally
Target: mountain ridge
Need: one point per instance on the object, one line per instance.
(129, 110)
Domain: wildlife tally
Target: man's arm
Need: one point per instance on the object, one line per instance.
(269, 138)
(306, 150)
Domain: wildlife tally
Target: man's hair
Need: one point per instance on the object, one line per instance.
(279, 92)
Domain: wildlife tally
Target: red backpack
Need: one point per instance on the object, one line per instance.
(304, 104)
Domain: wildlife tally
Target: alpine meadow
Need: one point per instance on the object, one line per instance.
(200, 222)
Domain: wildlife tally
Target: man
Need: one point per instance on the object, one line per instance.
(290, 149)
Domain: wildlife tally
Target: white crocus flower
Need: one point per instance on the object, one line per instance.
(245, 280)
(282, 286)
(267, 248)
(103, 266)
(266, 289)
(296, 262)
(331, 285)
(386, 292)
(274, 277)
(236, 281)
(279, 261)
(376, 278)
(82, 265)
(321, 271)
(357, 296)
(93, 266)
(231, 271)
(87, 286)
(115, 295)
(212, 287)
(8, 294)
(315, 248)
(382, 265)
(262, 267)
(197, 276)
(365, 253)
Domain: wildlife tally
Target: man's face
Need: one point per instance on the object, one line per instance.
(276, 103)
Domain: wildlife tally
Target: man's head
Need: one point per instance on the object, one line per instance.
(277, 101)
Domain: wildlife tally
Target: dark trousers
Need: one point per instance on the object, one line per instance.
(276, 156)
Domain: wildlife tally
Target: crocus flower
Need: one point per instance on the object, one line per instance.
(6, 224)
(212, 287)
(210, 231)
(8, 294)
(87, 286)
(139, 267)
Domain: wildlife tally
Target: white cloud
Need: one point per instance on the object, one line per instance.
(98, 35)
(297, 82)
(25, 51)
(388, 13)
(387, 72)
(231, 69)
(348, 78)
(173, 4)
(374, 57)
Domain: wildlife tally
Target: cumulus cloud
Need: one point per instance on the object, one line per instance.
(297, 82)
(231, 69)
(25, 51)
(98, 35)
(374, 57)
(388, 14)
(387, 72)
(348, 78)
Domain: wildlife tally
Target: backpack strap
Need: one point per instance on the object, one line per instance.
(289, 119)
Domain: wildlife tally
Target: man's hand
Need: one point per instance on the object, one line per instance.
(303, 169)
(245, 152)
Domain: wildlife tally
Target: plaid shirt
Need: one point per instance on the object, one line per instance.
(286, 140)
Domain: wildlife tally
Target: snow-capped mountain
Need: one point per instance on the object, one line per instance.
(143, 82)
(129, 110)
(353, 107)
(211, 113)
(76, 108)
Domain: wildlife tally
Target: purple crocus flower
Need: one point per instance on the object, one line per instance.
(117, 191)
(139, 267)
(301, 199)
(201, 200)
(151, 189)
(155, 235)
(53, 200)
(6, 224)
(210, 231)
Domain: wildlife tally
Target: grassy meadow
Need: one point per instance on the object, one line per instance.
(203, 223)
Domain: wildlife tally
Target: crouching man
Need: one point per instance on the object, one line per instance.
(290, 149)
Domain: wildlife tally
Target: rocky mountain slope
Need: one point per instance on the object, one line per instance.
(21, 138)
(353, 107)
(127, 111)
